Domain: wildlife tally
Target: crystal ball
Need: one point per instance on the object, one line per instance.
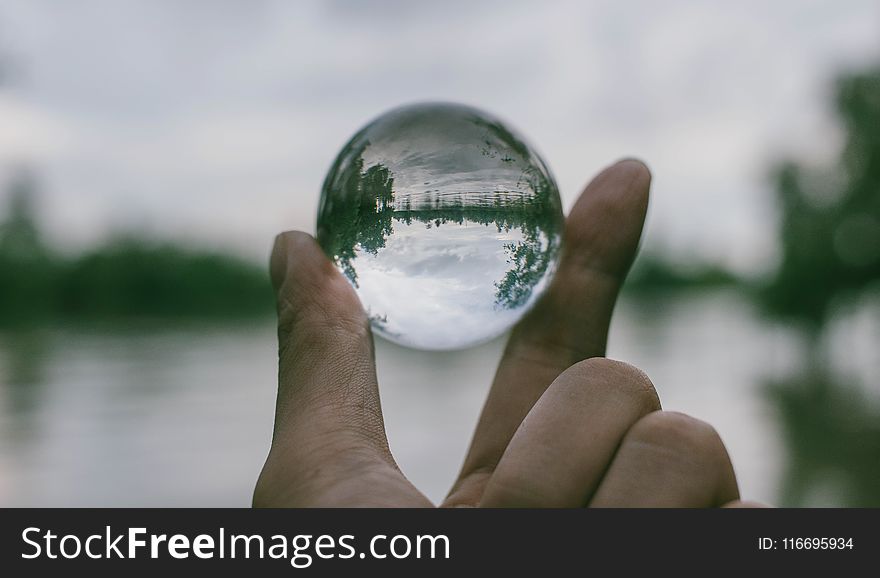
(445, 221)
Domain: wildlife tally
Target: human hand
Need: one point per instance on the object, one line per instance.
(562, 426)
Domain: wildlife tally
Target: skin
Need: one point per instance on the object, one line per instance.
(563, 426)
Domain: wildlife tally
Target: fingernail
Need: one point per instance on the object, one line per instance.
(278, 262)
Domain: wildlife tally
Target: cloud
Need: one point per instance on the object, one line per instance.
(30, 133)
(217, 121)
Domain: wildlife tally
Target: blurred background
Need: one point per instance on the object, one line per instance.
(150, 150)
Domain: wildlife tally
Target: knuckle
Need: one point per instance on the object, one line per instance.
(681, 433)
(588, 368)
(625, 379)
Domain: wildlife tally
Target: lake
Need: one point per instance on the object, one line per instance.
(183, 416)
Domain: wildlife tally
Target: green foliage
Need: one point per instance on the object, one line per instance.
(832, 432)
(653, 275)
(130, 277)
(28, 271)
(830, 221)
(123, 279)
(830, 239)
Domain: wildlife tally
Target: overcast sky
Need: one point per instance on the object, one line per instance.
(216, 121)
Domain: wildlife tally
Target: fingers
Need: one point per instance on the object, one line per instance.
(564, 445)
(595, 437)
(328, 401)
(570, 322)
(668, 460)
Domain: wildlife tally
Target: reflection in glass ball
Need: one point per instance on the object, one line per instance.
(446, 223)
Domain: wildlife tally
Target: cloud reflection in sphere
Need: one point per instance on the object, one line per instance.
(445, 221)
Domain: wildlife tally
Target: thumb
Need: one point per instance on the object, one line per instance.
(328, 399)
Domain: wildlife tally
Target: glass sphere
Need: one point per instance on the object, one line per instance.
(445, 221)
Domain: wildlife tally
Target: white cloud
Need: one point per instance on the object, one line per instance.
(29, 133)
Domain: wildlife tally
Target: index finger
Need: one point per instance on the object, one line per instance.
(570, 321)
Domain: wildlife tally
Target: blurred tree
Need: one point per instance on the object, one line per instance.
(27, 269)
(19, 236)
(832, 431)
(830, 239)
(830, 223)
(122, 279)
(654, 275)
